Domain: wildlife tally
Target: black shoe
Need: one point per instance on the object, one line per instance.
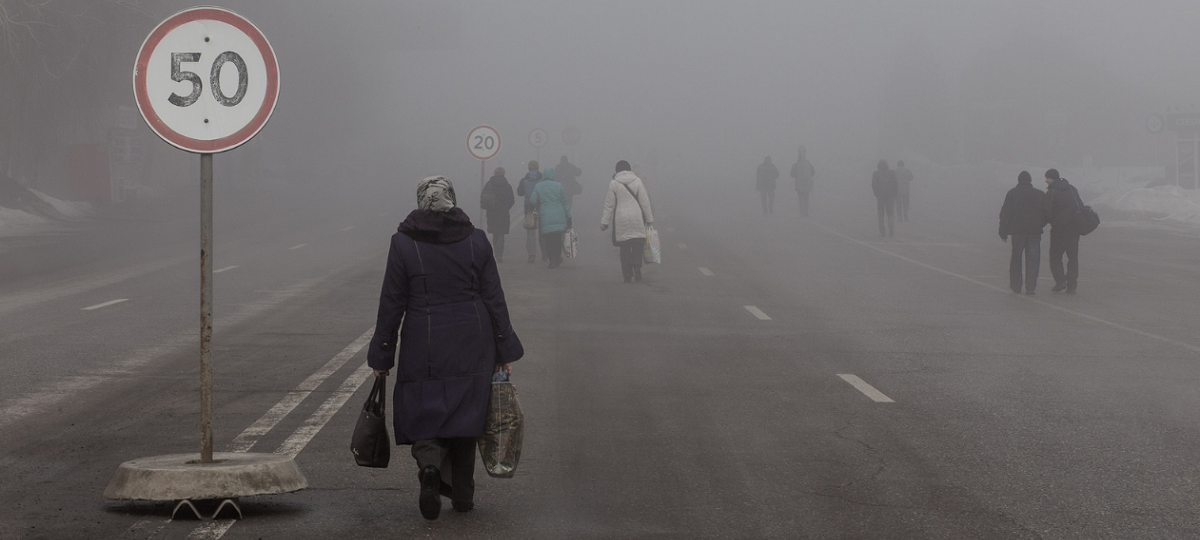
(1070, 289)
(1015, 291)
(431, 500)
(1029, 293)
(463, 506)
(637, 275)
(628, 280)
(1058, 287)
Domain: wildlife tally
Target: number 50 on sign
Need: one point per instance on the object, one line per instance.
(206, 80)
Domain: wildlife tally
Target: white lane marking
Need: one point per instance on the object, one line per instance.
(106, 304)
(383, 214)
(348, 228)
(865, 388)
(298, 246)
(145, 528)
(1027, 298)
(69, 387)
(226, 269)
(303, 434)
(706, 272)
(248, 438)
(18, 301)
(682, 246)
(212, 530)
(757, 313)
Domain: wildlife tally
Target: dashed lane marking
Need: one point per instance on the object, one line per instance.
(682, 246)
(248, 438)
(865, 388)
(106, 304)
(297, 246)
(212, 530)
(757, 313)
(301, 437)
(226, 269)
(1098, 320)
(348, 228)
(706, 272)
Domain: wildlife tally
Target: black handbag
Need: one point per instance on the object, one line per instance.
(371, 444)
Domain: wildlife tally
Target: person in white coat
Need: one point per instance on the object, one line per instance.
(627, 211)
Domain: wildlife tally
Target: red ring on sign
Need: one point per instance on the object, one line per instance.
(197, 145)
(477, 128)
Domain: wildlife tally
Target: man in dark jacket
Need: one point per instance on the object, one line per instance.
(1021, 218)
(567, 174)
(764, 181)
(803, 172)
(525, 189)
(497, 199)
(1058, 207)
(883, 183)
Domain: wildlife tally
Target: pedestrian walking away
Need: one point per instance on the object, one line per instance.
(525, 189)
(497, 200)
(1058, 208)
(764, 181)
(627, 210)
(803, 172)
(568, 174)
(554, 216)
(883, 183)
(1022, 218)
(904, 177)
(440, 277)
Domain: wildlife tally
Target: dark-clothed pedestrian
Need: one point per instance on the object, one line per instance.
(567, 174)
(627, 210)
(883, 183)
(804, 173)
(764, 182)
(904, 178)
(525, 189)
(555, 216)
(1059, 207)
(1023, 219)
(497, 200)
(443, 306)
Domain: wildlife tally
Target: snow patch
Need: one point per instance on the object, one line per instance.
(70, 209)
(14, 222)
(1162, 203)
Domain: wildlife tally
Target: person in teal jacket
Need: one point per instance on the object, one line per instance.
(554, 215)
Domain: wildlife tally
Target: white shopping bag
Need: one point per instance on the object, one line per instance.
(652, 253)
(571, 244)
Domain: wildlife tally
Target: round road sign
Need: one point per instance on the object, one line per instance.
(572, 136)
(538, 138)
(206, 80)
(483, 143)
(1154, 123)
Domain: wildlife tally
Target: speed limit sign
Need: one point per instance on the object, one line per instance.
(538, 138)
(206, 80)
(483, 142)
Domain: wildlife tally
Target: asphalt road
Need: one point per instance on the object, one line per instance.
(773, 378)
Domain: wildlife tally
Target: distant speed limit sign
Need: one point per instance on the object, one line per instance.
(483, 143)
(206, 80)
(538, 138)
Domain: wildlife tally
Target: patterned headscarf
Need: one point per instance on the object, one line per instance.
(436, 193)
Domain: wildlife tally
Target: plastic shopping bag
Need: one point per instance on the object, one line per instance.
(500, 445)
(571, 244)
(652, 253)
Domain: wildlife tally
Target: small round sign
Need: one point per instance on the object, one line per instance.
(1154, 124)
(206, 80)
(483, 142)
(538, 138)
(572, 136)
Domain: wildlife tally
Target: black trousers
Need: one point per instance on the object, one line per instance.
(1064, 244)
(803, 203)
(768, 200)
(887, 206)
(498, 246)
(902, 206)
(455, 459)
(552, 247)
(1029, 245)
(631, 256)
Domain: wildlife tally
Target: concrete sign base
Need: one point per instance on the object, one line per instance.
(182, 477)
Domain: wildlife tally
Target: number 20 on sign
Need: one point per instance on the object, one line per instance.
(206, 80)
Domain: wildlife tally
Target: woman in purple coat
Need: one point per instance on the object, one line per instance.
(441, 281)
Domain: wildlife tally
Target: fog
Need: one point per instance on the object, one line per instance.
(379, 92)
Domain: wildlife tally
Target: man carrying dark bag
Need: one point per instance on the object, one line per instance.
(1021, 218)
(1058, 207)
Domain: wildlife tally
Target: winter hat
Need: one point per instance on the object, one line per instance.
(533, 165)
(1053, 174)
(499, 171)
(435, 193)
(1024, 178)
(623, 166)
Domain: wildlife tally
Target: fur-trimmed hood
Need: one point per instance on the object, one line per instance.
(437, 227)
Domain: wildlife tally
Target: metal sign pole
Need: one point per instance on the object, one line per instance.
(206, 309)
(482, 164)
